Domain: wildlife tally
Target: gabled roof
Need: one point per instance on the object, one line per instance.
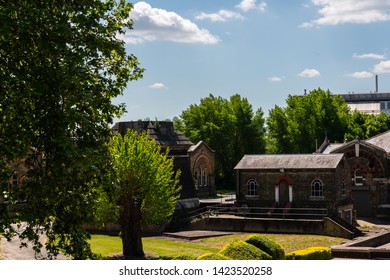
(330, 147)
(193, 148)
(298, 161)
(382, 141)
(352, 143)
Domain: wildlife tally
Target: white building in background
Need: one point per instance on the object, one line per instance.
(370, 103)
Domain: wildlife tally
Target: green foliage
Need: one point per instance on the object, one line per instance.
(184, 257)
(311, 253)
(240, 250)
(145, 185)
(214, 119)
(213, 256)
(302, 125)
(61, 64)
(306, 121)
(272, 248)
(144, 171)
(363, 126)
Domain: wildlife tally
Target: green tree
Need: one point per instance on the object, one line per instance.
(305, 122)
(363, 126)
(229, 126)
(146, 186)
(61, 63)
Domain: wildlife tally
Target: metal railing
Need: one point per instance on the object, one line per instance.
(268, 212)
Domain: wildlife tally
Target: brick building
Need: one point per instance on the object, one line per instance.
(296, 181)
(369, 171)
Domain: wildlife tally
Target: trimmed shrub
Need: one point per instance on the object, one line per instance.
(311, 253)
(212, 256)
(240, 250)
(271, 247)
(184, 257)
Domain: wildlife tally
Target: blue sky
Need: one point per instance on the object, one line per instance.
(263, 50)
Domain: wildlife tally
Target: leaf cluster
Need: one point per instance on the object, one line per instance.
(230, 126)
(61, 63)
(142, 172)
(305, 121)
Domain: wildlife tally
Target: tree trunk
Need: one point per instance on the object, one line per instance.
(131, 229)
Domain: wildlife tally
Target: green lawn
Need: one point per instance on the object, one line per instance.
(158, 247)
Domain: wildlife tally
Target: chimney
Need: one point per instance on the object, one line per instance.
(376, 83)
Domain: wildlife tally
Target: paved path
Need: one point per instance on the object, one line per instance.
(12, 251)
(374, 223)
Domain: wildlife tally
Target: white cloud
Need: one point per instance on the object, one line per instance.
(382, 67)
(221, 16)
(157, 86)
(276, 79)
(246, 5)
(369, 55)
(360, 75)
(333, 12)
(309, 73)
(152, 24)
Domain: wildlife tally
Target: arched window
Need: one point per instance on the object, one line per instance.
(201, 173)
(317, 188)
(252, 188)
(203, 176)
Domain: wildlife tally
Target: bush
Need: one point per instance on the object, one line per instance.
(184, 257)
(240, 250)
(212, 256)
(272, 248)
(311, 253)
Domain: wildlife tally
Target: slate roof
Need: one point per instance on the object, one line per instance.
(332, 146)
(297, 161)
(162, 131)
(382, 141)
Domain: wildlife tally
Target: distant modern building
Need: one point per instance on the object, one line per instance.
(370, 103)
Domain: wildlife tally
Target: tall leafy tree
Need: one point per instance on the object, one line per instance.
(61, 63)
(229, 126)
(363, 126)
(303, 124)
(146, 187)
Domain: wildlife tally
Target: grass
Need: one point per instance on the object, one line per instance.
(159, 247)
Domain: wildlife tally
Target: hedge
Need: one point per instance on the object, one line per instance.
(311, 253)
(271, 247)
(213, 256)
(240, 250)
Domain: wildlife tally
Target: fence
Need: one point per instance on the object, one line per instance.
(267, 212)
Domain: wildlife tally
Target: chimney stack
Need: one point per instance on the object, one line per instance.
(376, 83)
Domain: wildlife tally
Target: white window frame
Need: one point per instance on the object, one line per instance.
(252, 188)
(317, 189)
